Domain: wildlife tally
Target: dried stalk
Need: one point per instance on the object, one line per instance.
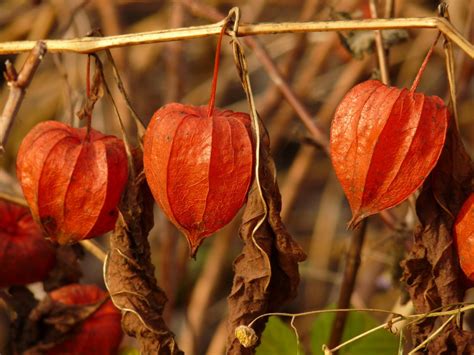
(94, 44)
(379, 46)
(174, 59)
(204, 290)
(348, 283)
(316, 133)
(289, 66)
(18, 82)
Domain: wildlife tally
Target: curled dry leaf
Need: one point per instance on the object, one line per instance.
(25, 256)
(266, 272)
(129, 273)
(464, 236)
(198, 166)
(431, 271)
(75, 319)
(384, 143)
(72, 180)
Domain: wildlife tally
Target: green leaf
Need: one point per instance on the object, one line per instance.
(278, 339)
(381, 342)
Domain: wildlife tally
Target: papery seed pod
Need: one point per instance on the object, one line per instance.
(25, 256)
(198, 166)
(198, 162)
(464, 237)
(100, 333)
(72, 180)
(384, 143)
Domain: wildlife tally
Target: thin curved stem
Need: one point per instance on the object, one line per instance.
(414, 86)
(215, 75)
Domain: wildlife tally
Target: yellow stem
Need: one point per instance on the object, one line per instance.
(94, 44)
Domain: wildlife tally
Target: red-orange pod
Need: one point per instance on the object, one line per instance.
(25, 256)
(198, 162)
(464, 237)
(72, 180)
(384, 143)
(100, 333)
(198, 166)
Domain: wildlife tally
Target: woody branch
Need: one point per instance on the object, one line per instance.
(18, 82)
(94, 44)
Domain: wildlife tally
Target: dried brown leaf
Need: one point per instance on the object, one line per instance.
(15, 306)
(50, 323)
(129, 273)
(431, 271)
(266, 272)
(96, 92)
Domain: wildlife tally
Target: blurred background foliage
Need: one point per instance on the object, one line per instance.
(319, 69)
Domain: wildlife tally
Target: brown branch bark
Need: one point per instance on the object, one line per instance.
(173, 58)
(348, 283)
(18, 82)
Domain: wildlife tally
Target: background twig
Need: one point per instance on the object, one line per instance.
(18, 82)
(348, 283)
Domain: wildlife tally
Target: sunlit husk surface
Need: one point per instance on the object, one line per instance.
(384, 143)
(72, 181)
(198, 167)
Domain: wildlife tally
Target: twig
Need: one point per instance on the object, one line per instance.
(173, 59)
(218, 341)
(389, 8)
(348, 283)
(13, 199)
(94, 44)
(110, 25)
(204, 289)
(68, 102)
(432, 335)
(413, 318)
(379, 46)
(324, 232)
(316, 133)
(94, 248)
(294, 179)
(18, 84)
(272, 96)
(449, 60)
(140, 126)
(278, 126)
(334, 350)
